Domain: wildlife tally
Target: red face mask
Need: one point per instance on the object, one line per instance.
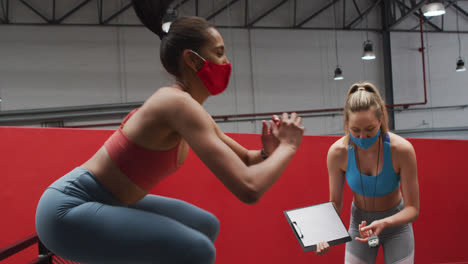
(214, 76)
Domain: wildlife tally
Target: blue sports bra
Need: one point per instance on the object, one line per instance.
(387, 181)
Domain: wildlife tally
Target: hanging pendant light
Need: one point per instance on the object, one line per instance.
(368, 51)
(460, 65)
(168, 18)
(368, 47)
(338, 74)
(433, 9)
(460, 61)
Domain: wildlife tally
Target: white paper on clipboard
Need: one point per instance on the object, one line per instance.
(316, 223)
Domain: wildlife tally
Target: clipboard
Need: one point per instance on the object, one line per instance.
(316, 223)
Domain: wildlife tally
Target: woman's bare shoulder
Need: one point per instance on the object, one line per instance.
(169, 93)
(169, 99)
(339, 147)
(337, 156)
(399, 144)
(338, 151)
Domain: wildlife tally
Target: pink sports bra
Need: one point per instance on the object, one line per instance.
(145, 167)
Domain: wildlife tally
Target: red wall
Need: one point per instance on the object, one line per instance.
(32, 158)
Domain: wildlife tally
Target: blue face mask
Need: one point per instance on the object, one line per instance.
(365, 143)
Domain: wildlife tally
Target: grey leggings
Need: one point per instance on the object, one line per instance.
(397, 241)
(78, 219)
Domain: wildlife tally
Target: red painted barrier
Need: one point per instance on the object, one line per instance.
(32, 158)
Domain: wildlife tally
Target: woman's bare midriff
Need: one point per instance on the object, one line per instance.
(377, 204)
(109, 175)
(115, 181)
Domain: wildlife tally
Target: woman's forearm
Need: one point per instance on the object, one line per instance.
(253, 157)
(262, 175)
(337, 205)
(407, 215)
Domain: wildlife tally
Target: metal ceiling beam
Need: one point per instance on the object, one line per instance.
(377, 30)
(269, 11)
(400, 9)
(425, 20)
(4, 18)
(7, 19)
(410, 11)
(75, 9)
(461, 10)
(357, 8)
(344, 15)
(49, 21)
(35, 10)
(428, 20)
(219, 11)
(4, 5)
(100, 7)
(53, 9)
(367, 11)
(295, 12)
(316, 13)
(246, 12)
(391, 12)
(127, 6)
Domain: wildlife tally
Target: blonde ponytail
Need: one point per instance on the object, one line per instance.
(363, 96)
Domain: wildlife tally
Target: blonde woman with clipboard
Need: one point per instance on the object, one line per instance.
(380, 168)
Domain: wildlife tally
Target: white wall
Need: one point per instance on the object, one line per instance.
(444, 86)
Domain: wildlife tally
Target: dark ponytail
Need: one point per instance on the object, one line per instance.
(184, 33)
(151, 12)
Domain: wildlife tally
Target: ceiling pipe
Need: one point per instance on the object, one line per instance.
(421, 31)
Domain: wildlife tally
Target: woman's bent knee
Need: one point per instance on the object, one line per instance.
(203, 252)
(213, 227)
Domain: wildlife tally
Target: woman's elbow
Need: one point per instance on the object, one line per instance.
(416, 214)
(338, 206)
(250, 192)
(249, 196)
